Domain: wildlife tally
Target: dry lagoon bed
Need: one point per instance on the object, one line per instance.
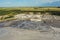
(8, 33)
(27, 30)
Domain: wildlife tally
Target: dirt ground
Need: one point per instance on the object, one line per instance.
(14, 33)
(21, 34)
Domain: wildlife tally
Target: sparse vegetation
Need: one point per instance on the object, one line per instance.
(13, 11)
(5, 11)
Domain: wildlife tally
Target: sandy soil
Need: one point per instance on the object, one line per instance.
(21, 34)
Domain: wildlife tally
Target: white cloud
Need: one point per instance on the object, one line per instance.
(7, 2)
(32, 1)
(25, 2)
(45, 1)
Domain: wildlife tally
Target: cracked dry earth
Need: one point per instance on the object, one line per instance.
(9, 33)
(13, 33)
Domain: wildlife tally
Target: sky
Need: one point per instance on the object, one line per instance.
(28, 3)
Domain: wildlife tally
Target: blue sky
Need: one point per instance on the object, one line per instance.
(18, 3)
